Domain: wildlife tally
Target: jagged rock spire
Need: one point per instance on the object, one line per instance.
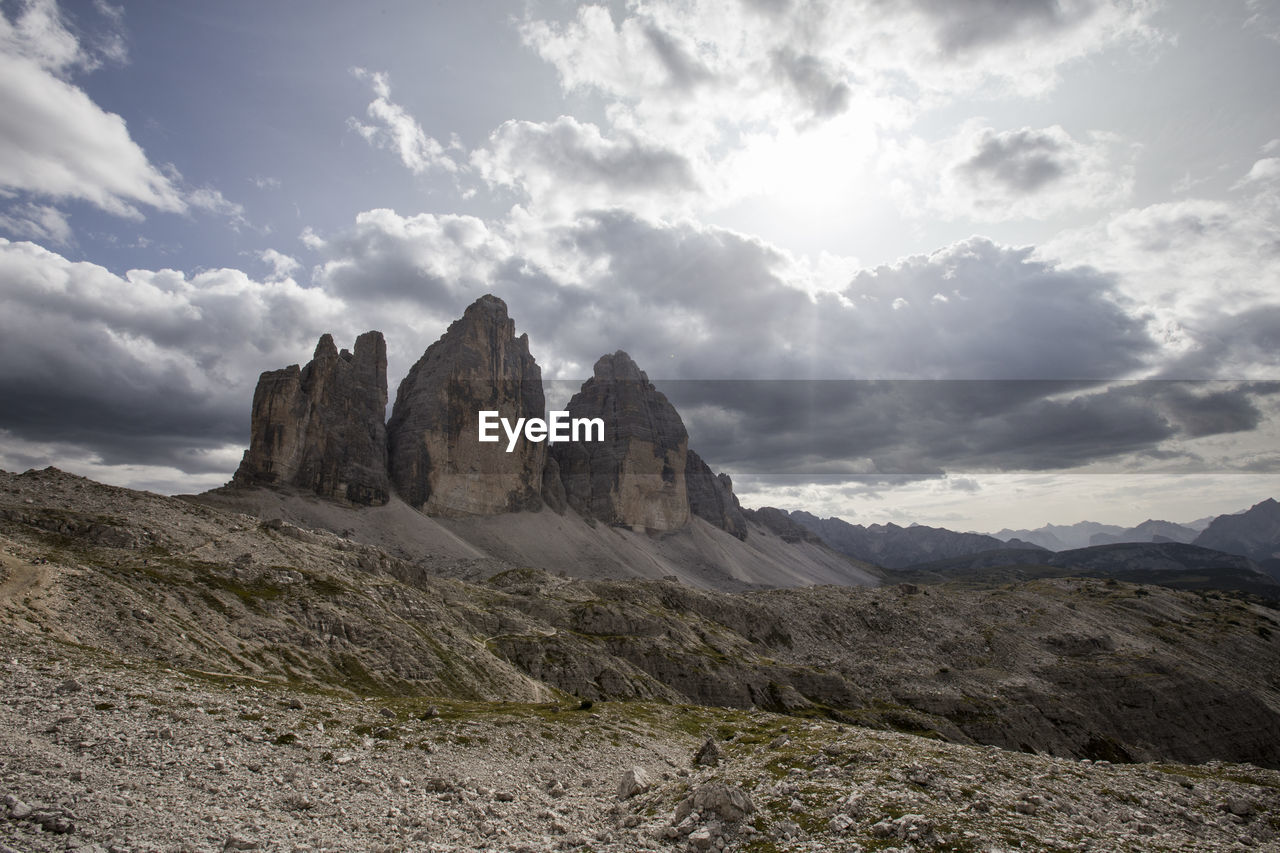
(320, 428)
(435, 460)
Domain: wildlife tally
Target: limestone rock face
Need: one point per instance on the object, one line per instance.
(435, 459)
(711, 497)
(321, 427)
(553, 487)
(636, 476)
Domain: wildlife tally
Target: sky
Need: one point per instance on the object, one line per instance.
(969, 263)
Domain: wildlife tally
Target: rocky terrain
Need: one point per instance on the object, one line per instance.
(182, 678)
(435, 461)
(1254, 533)
(391, 638)
(1072, 667)
(106, 753)
(320, 429)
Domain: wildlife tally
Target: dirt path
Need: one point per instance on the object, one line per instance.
(21, 578)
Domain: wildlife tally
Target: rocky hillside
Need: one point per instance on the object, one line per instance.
(1068, 667)
(1060, 537)
(436, 462)
(636, 475)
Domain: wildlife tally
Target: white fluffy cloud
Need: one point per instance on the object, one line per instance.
(1206, 269)
(397, 130)
(700, 62)
(567, 165)
(695, 301)
(986, 175)
(55, 142)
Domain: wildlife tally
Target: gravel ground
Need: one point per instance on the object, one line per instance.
(99, 753)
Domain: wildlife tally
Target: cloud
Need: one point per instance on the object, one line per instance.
(990, 176)
(37, 221)
(1206, 270)
(816, 80)
(1018, 355)
(879, 431)
(683, 58)
(398, 131)
(154, 367)
(1265, 170)
(679, 295)
(784, 100)
(569, 165)
(213, 201)
(54, 141)
(282, 266)
(1263, 19)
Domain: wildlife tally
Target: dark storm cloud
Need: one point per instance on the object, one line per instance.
(178, 428)
(152, 368)
(861, 430)
(1023, 161)
(1201, 409)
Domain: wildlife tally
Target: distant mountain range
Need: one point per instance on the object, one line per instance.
(1173, 564)
(1060, 537)
(895, 547)
(1240, 552)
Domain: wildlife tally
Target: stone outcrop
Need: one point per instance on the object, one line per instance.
(320, 428)
(636, 476)
(435, 460)
(711, 497)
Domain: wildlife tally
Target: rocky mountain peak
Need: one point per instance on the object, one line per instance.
(434, 460)
(326, 349)
(1254, 533)
(618, 367)
(320, 427)
(636, 476)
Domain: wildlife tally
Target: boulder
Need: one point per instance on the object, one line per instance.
(634, 781)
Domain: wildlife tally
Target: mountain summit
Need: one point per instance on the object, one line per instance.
(435, 461)
(636, 476)
(320, 428)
